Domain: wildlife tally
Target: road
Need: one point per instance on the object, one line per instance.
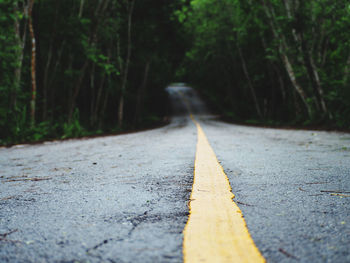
(126, 198)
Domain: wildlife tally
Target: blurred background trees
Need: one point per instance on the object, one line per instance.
(271, 61)
(74, 67)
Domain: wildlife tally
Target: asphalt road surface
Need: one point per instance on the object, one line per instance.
(125, 198)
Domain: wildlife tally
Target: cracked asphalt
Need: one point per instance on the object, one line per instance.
(124, 198)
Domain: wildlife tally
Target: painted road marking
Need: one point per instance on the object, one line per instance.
(216, 230)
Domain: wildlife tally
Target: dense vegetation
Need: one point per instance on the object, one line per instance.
(277, 61)
(97, 66)
(73, 67)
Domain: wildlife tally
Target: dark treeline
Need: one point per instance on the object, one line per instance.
(279, 61)
(73, 67)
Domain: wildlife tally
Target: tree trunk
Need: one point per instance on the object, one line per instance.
(278, 72)
(303, 56)
(98, 15)
(346, 71)
(92, 92)
(121, 110)
(140, 93)
(310, 72)
(75, 93)
(33, 64)
(282, 48)
(281, 82)
(130, 7)
(250, 85)
(48, 63)
(46, 77)
(228, 76)
(104, 105)
(94, 114)
(21, 42)
(81, 8)
(319, 87)
(51, 93)
(308, 62)
(296, 85)
(98, 101)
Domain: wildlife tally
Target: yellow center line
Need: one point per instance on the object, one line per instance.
(216, 230)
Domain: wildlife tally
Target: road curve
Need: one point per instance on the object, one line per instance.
(125, 198)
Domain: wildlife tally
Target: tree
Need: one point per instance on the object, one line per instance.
(33, 63)
(289, 52)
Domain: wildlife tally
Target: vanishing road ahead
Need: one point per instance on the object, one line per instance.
(126, 198)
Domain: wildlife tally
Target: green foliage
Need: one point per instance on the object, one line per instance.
(82, 49)
(74, 128)
(313, 35)
(234, 51)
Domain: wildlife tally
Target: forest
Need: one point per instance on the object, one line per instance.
(71, 68)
